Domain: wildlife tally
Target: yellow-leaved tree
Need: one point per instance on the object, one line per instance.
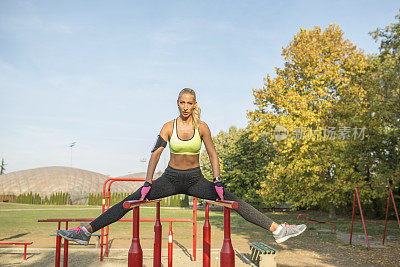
(317, 98)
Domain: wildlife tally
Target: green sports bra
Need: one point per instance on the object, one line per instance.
(191, 146)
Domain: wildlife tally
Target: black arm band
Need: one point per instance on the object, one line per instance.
(217, 181)
(159, 143)
(146, 184)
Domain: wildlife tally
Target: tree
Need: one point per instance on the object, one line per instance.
(242, 163)
(223, 142)
(383, 87)
(318, 88)
(2, 167)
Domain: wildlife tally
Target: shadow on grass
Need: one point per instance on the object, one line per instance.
(20, 255)
(14, 236)
(184, 249)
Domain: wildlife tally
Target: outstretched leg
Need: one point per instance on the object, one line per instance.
(160, 188)
(205, 189)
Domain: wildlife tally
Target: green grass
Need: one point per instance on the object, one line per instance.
(21, 223)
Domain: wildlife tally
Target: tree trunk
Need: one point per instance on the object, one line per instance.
(332, 213)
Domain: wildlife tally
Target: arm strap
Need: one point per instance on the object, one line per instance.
(160, 142)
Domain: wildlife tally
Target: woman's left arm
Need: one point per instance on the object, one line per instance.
(205, 134)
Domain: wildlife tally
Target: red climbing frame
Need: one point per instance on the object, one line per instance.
(356, 196)
(107, 184)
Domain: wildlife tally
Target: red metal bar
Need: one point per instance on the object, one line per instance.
(227, 255)
(58, 247)
(224, 203)
(135, 203)
(67, 220)
(394, 205)
(108, 206)
(387, 211)
(103, 208)
(301, 218)
(157, 238)
(66, 248)
(121, 220)
(135, 254)
(25, 246)
(362, 217)
(194, 227)
(170, 245)
(332, 226)
(371, 187)
(206, 239)
(16, 243)
(108, 183)
(352, 218)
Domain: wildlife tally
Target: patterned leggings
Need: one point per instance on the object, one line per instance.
(190, 182)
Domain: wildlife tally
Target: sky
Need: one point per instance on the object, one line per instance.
(106, 74)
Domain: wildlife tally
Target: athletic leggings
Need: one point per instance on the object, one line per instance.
(190, 182)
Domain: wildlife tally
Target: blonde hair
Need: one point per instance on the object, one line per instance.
(196, 112)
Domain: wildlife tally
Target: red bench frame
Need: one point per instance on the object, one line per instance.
(18, 243)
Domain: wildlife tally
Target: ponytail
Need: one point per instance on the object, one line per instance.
(196, 116)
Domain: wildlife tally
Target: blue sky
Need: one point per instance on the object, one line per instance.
(106, 74)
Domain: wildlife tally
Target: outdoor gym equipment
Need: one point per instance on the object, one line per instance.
(107, 185)
(135, 255)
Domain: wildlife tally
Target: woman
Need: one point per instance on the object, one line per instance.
(183, 175)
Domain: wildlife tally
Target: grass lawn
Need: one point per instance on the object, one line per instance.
(19, 222)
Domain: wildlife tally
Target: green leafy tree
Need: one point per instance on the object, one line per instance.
(242, 163)
(383, 117)
(223, 142)
(318, 88)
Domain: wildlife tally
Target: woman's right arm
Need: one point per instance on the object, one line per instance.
(165, 132)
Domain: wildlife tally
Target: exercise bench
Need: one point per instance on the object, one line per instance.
(262, 254)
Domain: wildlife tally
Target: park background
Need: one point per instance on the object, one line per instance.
(86, 85)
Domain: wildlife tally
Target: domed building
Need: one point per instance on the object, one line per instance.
(76, 182)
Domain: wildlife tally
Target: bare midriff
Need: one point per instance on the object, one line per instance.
(183, 162)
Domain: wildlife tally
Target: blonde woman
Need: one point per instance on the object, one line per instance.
(183, 175)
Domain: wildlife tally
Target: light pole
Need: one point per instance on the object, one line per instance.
(144, 161)
(72, 145)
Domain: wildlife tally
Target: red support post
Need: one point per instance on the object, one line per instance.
(157, 238)
(387, 211)
(206, 239)
(227, 255)
(362, 217)
(108, 227)
(58, 247)
(394, 205)
(352, 218)
(135, 254)
(170, 244)
(66, 248)
(25, 251)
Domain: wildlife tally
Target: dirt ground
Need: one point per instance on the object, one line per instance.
(313, 248)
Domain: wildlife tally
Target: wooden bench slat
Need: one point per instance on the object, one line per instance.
(262, 248)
